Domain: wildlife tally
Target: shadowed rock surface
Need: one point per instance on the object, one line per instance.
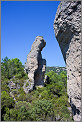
(35, 65)
(67, 26)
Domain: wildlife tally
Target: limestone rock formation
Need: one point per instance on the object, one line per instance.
(67, 26)
(35, 66)
(13, 84)
(46, 80)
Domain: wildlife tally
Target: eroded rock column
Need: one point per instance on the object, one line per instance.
(67, 26)
(35, 65)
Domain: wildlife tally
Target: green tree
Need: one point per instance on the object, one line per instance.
(4, 68)
(11, 67)
(63, 78)
(53, 77)
(6, 102)
(58, 83)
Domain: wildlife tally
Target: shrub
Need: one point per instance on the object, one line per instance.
(5, 88)
(19, 113)
(6, 102)
(27, 84)
(42, 110)
(25, 76)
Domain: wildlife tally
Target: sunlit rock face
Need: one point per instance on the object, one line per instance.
(35, 66)
(67, 26)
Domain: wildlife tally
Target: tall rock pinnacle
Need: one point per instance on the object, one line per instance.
(35, 65)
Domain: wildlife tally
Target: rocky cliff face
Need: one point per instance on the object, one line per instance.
(67, 26)
(35, 65)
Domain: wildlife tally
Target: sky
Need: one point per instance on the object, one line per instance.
(21, 22)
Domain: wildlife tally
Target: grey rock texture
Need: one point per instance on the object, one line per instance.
(67, 26)
(27, 88)
(46, 80)
(35, 66)
(13, 84)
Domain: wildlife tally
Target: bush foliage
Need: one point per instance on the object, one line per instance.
(49, 103)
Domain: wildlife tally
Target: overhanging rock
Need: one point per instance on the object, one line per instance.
(67, 26)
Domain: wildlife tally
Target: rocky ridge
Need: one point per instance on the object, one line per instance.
(67, 26)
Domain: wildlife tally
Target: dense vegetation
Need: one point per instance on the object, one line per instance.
(49, 103)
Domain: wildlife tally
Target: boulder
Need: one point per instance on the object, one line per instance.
(67, 26)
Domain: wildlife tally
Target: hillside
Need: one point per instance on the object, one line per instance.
(48, 103)
(57, 70)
